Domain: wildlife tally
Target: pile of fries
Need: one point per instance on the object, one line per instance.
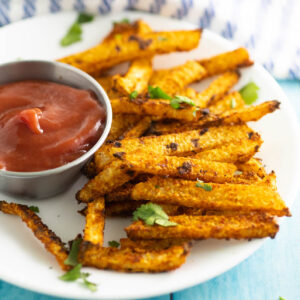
(184, 154)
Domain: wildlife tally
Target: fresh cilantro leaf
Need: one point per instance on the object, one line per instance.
(205, 186)
(249, 92)
(72, 258)
(177, 100)
(157, 93)
(133, 95)
(152, 214)
(113, 244)
(84, 18)
(232, 103)
(73, 274)
(73, 35)
(123, 21)
(90, 285)
(118, 36)
(34, 208)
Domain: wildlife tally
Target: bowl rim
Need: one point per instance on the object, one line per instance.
(90, 152)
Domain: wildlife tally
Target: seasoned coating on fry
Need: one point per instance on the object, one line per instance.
(238, 152)
(130, 260)
(226, 61)
(122, 209)
(138, 26)
(94, 226)
(111, 177)
(187, 142)
(240, 197)
(51, 241)
(180, 167)
(217, 89)
(154, 244)
(135, 46)
(156, 107)
(108, 85)
(174, 79)
(227, 102)
(253, 166)
(121, 193)
(139, 129)
(207, 227)
(89, 170)
(136, 78)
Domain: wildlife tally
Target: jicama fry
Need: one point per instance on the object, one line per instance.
(217, 89)
(153, 244)
(156, 107)
(254, 165)
(207, 227)
(188, 142)
(90, 170)
(108, 85)
(135, 46)
(122, 208)
(238, 152)
(240, 197)
(226, 61)
(111, 177)
(136, 131)
(228, 102)
(129, 260)
(121, 193)
(137, 77)
(51, 241)
(93, 231)
(180, 167)
(172, 80)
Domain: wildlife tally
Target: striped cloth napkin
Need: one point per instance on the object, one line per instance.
(270, 29)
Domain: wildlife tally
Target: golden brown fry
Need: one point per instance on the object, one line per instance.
(137, 77)
(173, 80)
(228, 102)
(180, 167)
(253, 166)
(238, 152)
(108, 85)
(139, 129)
(93, 231)
(111, 177)
(51, 241)
(183, 143)
(121, 193)
(129, 260)
(156, 107)
(90, 170)
(207, 227)
(226, 61)
(240, 197)
(154, 244)
(120, 28)
(122, 209)
(217, 89)
(135, 46)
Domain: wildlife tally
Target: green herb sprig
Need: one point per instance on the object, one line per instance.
(249, 92)
(123, 21)
(207, 187)
(34, 208)
(133, 95)
(114, 244)
(177, 100)
(152, 214)
(74, 33)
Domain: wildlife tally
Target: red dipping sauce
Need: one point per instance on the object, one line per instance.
(44, 125)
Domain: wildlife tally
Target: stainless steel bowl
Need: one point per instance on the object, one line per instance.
(48, 183)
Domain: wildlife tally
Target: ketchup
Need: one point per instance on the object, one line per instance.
(44, 125)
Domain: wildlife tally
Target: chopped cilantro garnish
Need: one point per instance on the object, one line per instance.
(232, 103)
(177, 100)
(133, 95)
(113, 244)
(75, 273)
(123, 21)
(152, 214)
(34, 208)
(158, 93)
(205, 186)
(249, 92)
(74, 33)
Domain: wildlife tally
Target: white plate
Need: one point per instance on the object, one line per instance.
(24, 261)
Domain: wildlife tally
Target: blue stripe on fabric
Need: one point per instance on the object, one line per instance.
(4, 18)
(207, 16)
(155, 8)
(28, 8)
(131, 4)
(55, 6)
(269, 65)
(5, 4)
(229, 31)
(184, 9)
(105, 7)
(79, 5)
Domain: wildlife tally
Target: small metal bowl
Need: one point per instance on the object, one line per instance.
(50, 182)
